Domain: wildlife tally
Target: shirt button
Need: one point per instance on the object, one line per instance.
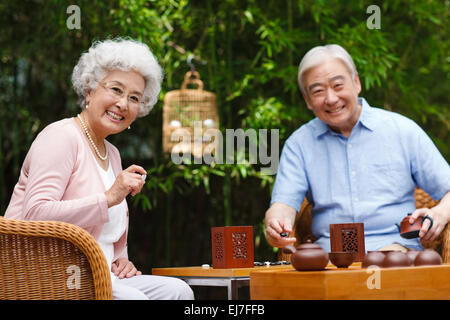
(349, 145)
(356, 199)
(353, 172)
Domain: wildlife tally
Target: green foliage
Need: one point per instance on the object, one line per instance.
(247, 52)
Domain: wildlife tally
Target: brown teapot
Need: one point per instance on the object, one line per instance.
(410, 231)
(307, 256)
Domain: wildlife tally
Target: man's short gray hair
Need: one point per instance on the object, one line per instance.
(118, 54)
(318, 55)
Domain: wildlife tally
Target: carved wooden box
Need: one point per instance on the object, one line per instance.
(232, 247)
(348, 237)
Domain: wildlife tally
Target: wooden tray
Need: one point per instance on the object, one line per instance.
(426, 282)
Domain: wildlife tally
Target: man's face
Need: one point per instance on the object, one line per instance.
(332, 95)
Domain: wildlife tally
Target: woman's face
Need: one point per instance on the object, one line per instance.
(115, 103)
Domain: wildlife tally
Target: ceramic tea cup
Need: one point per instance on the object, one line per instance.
(396, 259)
(373, 258)
(342, 259)
(427, 257)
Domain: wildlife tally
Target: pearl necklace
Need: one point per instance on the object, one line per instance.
(92, 141)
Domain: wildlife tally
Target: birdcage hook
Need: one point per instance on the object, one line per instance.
(189, 62)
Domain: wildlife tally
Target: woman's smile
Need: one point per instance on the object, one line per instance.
(114, 116)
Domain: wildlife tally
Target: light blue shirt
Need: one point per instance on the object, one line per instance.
(369, 177)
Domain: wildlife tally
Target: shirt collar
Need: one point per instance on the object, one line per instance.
(365, 119)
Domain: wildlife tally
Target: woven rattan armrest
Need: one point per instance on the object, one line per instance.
(40, 260)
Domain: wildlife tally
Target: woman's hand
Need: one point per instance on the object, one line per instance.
(128, 181)
(124, 268)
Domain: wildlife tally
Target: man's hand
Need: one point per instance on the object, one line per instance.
(440, 215)
(124, 268)
(279, 218)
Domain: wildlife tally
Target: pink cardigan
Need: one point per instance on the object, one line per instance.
(59, 181)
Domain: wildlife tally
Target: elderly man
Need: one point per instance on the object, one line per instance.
(356, 163)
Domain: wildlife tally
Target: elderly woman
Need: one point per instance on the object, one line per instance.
(73, 174)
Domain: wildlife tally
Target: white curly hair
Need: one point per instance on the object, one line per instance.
(118, 54)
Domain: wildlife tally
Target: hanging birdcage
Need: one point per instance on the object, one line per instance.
(189, 114)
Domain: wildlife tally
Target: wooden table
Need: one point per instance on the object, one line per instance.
(233, 279)
(427, 282)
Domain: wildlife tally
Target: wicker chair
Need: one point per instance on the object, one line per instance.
(51, 260)
(302, 227)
